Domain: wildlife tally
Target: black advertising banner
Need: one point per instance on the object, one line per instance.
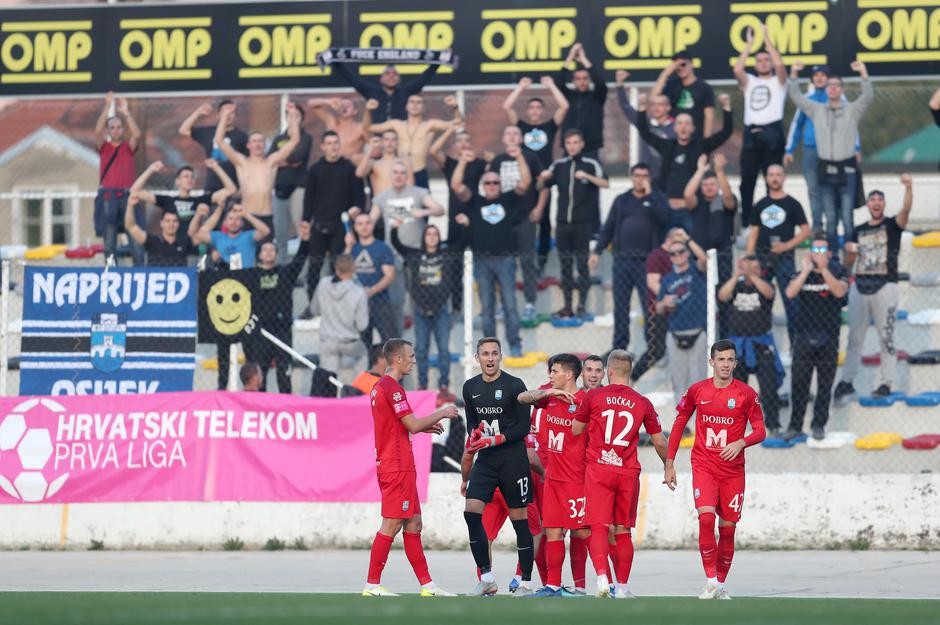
(272, 46)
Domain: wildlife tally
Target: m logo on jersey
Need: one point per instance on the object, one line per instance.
(716, 440)
(490, 428)
(556, 441)
(731, 404)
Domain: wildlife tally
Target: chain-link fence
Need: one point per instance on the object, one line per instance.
(39, 137)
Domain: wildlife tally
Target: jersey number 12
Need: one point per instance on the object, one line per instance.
(620, 439)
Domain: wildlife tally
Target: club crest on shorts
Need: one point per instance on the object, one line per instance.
(499, 393)
(697, 493)
(405, 505)
(731, 403)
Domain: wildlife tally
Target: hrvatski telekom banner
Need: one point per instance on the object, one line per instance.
(210, 446)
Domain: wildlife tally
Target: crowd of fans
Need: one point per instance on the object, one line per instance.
(365, 204)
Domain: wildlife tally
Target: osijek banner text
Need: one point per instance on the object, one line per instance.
(212, 446)
(90, 331)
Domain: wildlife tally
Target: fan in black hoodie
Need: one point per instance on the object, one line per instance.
(432, 271)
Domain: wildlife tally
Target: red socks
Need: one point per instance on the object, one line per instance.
(541, 562)
(725, 550)
(380, 548)
(415, 553)
(578, 560)
(706, 542)
(599, 549)
(613, 553)
(624, 557)
(555, 559)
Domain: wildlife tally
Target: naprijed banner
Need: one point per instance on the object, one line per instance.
(94, 331)
(211, 446)
(273, 46)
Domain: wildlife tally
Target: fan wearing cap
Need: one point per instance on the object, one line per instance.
(687, 93)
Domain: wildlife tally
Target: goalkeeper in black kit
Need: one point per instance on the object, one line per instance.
(498, 425)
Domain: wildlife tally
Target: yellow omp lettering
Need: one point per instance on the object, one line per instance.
(794, 34)
(531, 44)
(45, 52)
(903, 34)
(430, 30)
(165, 48)
(647, 38)
(288, 47)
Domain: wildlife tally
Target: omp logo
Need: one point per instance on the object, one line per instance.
(277, 46)
(716, 440)
(165, 48)
(898, 30)
(794, 27)
(556, 442)
(25, 451)
(44, 52)
(527, 40)
(431, 30)
(647, 37)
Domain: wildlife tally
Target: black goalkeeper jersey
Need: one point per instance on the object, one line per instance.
(495, 404)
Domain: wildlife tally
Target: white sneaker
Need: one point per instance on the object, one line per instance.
(378, 591)
(623, 593)
(523, 590)
(710, 592)
(484, 589)
(603, 588)
(436, 591)
(723, 595)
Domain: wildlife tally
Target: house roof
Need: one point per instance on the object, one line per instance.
(47, 136)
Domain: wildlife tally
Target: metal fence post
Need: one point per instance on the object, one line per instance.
(634, 136)
(468, 350)
(711, 289)
(4, 326)
(232, 367)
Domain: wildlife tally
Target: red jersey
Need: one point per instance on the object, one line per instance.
(392, 440)
(722, 418)
(123, 170)
(564, 449)
(538, 428)
(613, 415)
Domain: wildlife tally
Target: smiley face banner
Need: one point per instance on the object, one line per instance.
(227, 305)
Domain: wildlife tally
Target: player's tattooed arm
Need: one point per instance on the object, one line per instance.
(534, 396)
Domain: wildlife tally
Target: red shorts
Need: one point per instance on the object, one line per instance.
(611, 497)
(564, 505)
(496, 512)
(399, 494)
(723, 491)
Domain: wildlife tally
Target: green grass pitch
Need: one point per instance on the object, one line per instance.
(61, 608)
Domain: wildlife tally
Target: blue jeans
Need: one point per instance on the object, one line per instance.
(439, 323)
(489, 271)
(629, 274)
(810, 165)
(839, 204)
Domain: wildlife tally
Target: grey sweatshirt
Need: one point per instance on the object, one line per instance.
(343, 308)
(836, 128)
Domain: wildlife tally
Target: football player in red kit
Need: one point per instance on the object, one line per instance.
(563, 491)
(611, 416)
(395, 423)
(724, 407)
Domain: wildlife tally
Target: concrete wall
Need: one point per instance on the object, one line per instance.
(798, 511)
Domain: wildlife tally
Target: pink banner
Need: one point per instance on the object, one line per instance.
(194, 447)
